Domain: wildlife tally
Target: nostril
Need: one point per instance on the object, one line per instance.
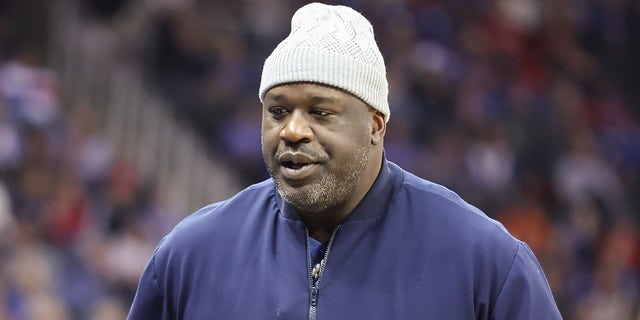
(297, 130)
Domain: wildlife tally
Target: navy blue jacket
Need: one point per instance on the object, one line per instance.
(410, 250)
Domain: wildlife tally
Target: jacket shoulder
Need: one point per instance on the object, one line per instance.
(220, 220)
(450, 217)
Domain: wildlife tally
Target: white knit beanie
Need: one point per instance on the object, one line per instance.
(332, 45)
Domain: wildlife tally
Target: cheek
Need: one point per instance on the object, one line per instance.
(348, 146)
(270, 143)
(269, 135)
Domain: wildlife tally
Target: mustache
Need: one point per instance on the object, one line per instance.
(303, 151)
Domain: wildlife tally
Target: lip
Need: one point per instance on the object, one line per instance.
(298, 158)
(300, 173)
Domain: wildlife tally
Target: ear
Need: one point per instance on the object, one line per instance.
(378, 128)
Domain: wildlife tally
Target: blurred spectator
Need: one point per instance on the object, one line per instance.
(10, 151)
(6, 214)
(89, 152)
(613, 293)
(582, 174)
(109, 310)
(30, 91)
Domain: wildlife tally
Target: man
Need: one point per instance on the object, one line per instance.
(339, 232)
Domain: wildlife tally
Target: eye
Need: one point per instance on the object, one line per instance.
(278, 112)
(320, 113)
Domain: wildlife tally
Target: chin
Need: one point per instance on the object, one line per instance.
(295, 189)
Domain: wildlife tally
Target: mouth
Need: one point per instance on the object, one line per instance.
(296, 166)
(293, 165)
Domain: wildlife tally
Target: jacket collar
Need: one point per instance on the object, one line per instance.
(374, 203)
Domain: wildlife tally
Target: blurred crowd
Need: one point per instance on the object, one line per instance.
(527, 108)
(77, 223)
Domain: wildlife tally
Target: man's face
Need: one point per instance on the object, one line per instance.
(315, 143)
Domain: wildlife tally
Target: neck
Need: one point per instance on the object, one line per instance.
(320, 233)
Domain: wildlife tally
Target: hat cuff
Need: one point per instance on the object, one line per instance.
(310, 64)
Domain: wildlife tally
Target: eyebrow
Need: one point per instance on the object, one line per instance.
(314, 99)
(275, 97)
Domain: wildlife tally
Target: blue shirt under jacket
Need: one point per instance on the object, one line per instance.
(411, 249)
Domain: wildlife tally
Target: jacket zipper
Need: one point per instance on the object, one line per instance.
(315, 273)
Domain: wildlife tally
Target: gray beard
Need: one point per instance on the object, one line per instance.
(333, 188)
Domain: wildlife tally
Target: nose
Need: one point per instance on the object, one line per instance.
(297, 129)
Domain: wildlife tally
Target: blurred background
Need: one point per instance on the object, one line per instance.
(120, 117)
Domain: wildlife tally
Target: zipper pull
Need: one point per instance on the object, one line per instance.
(314, 296)
(315, 272)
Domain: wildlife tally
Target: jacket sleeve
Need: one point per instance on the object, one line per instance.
(525, 293)
(149, 303)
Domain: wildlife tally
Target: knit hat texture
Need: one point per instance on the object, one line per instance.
(331, 45)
